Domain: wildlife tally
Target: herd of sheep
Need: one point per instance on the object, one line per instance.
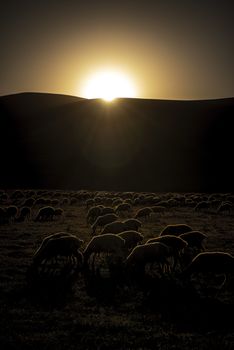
(116, 241)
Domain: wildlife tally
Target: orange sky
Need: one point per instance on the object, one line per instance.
(170, 51)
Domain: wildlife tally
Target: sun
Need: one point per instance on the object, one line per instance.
(108, 85)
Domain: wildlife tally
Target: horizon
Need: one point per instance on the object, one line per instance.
(115, 99)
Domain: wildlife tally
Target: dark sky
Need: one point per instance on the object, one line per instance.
(170, 49)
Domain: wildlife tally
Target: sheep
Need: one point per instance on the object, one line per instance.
(194, 239)
(215, 262)
(122, 207)
(89, 202)
(143, 213)
(61, 243)
(108, 243)
(11, 213)
(176, 245)
(175, 230)
(132, 238)
(113, 227)
(158, 209)
(107, 210)
(93, 213)
(103, 220)
(117, 201)
(147, 253)
(29, 202)
(52, 236)
(211, 262)
(224, 207)
(132, 224)
(17, 194)
(24, 214)
(45, 213)
(202, 205)
(59, 213)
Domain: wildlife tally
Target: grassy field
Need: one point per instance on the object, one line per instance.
(128, 316)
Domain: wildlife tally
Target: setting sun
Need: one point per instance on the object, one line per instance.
(108, 85)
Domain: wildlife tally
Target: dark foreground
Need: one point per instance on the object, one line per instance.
(149, 314)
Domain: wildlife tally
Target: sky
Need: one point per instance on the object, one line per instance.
(168, 49)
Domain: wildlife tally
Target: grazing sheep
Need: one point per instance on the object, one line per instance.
(144, 213)
(11, 213)
(114, 227)
(107, 210)
(103, 220)
(225, 208)
(52, 236)
(29, 202)
(116, 201)
(211, 262)
(59, 213)
(89, 202)
(148, 253)
(60, 244)
(108, 243)
(158, 209)
(176, 245)
(175, 230)
(215, 262)
(24, 214)
(132, 224)
(93, 213)
(17, 194)
(123, 207)
(203, 205)
(132, 238)
(45, 214)
(194, 239)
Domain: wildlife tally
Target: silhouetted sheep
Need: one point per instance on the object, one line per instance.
(11, 213)
(176, 229)
(143, 213)
(24, 214)
(225, 207)
(176, 245)
(132, 238)
(158, 209)
(107, 210)
(89, 203)
(114, 227)
(148, 253)
(59, 244)
(103, 220)
(194, 239)
(202, 205)
(108, 243)
(123, 207)
(45, 214)
(211, 262)
(93, 213)
(216, 262)
(29, 202)
(59, 213)
(132, 224)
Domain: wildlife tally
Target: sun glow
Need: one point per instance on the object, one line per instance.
(108, 85)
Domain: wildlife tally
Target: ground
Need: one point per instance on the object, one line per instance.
(131, 318)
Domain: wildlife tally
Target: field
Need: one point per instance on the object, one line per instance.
(126, 316)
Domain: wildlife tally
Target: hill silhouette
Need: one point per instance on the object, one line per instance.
(58, 141)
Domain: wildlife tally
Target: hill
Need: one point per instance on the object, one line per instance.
(59, 141)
